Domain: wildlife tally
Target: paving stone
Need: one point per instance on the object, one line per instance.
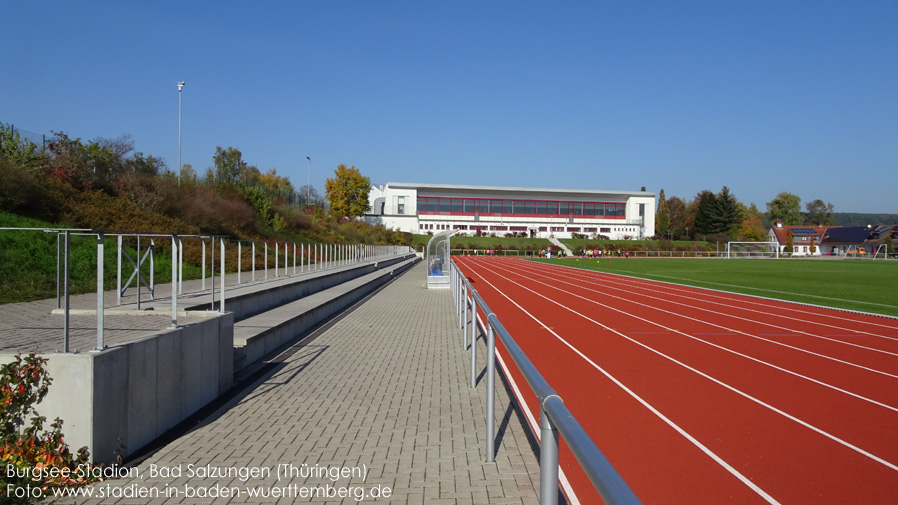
(386, 388)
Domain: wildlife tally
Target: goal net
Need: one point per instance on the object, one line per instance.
(752, 250)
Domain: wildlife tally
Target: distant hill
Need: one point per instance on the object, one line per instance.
(859, 219)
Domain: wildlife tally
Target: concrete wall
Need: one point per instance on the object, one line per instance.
(126, 396)
(253, 349)
(252, 304)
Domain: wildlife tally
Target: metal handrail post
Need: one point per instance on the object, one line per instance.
(548, 460)
(118, 284)
(59, 270)
(490, 391)
(176, 246)
(239, 260)
(66, 265)
(203, 274)
(152, 266)
(277, 259)
(610, 485)
(100, 243)
(254, 262)
(212, 267)
(473, 321)
(462, 304)
(180, 265)
(474, 361)
(294, 258)
(138, 272)
(222, 275)
(266, 261)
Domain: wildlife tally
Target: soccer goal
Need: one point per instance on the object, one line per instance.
(753, 250)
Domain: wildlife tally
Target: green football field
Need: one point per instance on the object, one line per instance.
(863, 285)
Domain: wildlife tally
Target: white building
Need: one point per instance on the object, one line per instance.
(538, 212)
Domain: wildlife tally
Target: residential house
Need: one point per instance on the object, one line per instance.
(805, 239)
(858, 240)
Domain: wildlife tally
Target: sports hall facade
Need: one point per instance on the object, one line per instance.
(537, 212)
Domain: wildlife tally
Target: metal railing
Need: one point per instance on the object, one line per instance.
(312, 257)
(554, 419)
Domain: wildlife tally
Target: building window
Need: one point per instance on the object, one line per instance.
(604, 230)
(400, 205)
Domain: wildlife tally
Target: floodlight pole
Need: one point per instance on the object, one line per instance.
(180, 86)
(309, 183)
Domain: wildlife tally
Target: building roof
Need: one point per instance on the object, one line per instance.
(782, 232)
(506, 189)
(847, 235)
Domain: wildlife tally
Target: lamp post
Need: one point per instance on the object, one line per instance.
(180, 86)
(309, 183)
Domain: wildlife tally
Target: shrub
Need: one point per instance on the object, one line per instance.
(22, 192)
(32, 451)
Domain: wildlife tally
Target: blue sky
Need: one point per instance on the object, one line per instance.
(760, 96)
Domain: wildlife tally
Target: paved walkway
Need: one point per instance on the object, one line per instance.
(38, 326)
(381, 393)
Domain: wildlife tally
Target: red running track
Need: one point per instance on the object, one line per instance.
(703, 397)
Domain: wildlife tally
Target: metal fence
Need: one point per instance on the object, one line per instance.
(554, 417)
(306, 258)
(38, 139)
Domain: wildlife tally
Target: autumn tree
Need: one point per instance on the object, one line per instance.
(679, 218)
(819, 214)
(229, 165)
(752, 227)
(347, 192)
(787, 208)
(83, 165)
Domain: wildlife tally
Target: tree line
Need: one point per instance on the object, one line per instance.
(77, 182)
(721, 216)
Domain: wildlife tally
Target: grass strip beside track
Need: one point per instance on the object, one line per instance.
(862, 285)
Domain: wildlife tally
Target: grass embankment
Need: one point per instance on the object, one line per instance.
(28, 261)
(535, 244)
(577, 244)
(504, 243)
(863, 285)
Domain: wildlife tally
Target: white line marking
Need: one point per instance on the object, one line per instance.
(652, 409)
(750, 335)
(534, 425)
(717, 381)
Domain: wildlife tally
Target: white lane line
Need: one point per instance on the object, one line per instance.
(759, 289)
(534, 425)
(717, 381)
(732, 331)
(729, 295)
(673, 291)
(742, 478)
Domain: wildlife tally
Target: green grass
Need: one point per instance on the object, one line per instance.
(28, 262)
(510, 243)
(575, 244)
(863, 285)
